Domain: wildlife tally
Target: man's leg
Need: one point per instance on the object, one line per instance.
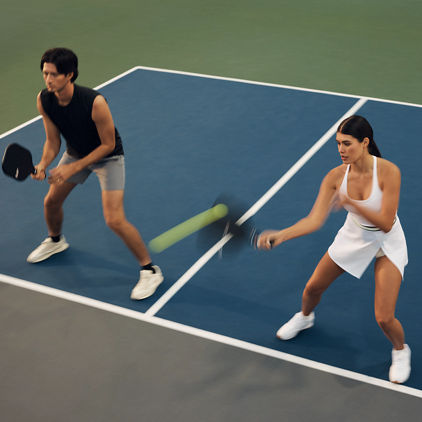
(150, 275)
(115, 218)
(53, 206)
(53, 213)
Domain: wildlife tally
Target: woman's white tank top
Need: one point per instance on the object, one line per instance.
(373, 202)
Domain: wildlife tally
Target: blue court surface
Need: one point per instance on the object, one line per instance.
(188, 138)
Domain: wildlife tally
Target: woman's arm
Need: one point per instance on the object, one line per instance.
(313, 221)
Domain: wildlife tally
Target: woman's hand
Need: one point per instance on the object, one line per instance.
(269, 239)
(339, 201)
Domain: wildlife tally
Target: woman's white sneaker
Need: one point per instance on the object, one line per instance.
(147, 284)
(400, 365)
(296, 324)
(46, 249)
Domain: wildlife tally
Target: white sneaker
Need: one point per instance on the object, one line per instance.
(147, 284)
(296, 324)
(400, 367)
(46, 249)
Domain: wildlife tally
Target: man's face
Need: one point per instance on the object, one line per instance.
(55, 81)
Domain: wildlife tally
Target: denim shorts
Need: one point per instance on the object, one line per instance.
(110, 171)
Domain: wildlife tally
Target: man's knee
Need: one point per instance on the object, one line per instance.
(114, 221)
(52, 201)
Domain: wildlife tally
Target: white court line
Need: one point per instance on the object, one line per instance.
(222, 78)
(39, 117)
(295, 88)
(240, 344)
(253, 210)
(201, 333)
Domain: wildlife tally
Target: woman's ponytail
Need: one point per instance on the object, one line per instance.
(359, 128)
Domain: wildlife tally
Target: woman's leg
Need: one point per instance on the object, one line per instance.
(324, 274)
(387, 285)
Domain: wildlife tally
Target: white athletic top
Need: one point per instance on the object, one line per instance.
(373, 202)
(358, 241)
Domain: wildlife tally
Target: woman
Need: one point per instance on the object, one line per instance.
(368, 187)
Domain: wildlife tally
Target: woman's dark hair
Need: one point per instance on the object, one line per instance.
(359, 128)
(65, 60)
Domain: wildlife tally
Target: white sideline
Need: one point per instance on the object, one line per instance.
(253, 210)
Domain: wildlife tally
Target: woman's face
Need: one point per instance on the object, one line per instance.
(350, 148)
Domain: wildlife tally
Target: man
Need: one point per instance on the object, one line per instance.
(82, 116)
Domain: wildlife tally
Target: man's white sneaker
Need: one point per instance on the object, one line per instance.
(147, 284)
(296, 324)
(400, 366)
(46, 249)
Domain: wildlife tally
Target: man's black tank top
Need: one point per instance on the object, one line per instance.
(75, 123)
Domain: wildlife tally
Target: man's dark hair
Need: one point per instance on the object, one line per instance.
(65, 60)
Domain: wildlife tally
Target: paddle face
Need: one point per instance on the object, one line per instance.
(17, 162)
(244, 235)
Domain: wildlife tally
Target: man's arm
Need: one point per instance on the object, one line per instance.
(51, 145)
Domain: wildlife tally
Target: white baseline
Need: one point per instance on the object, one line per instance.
(208, 335)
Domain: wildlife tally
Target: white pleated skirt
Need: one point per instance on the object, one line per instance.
(354, 248)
